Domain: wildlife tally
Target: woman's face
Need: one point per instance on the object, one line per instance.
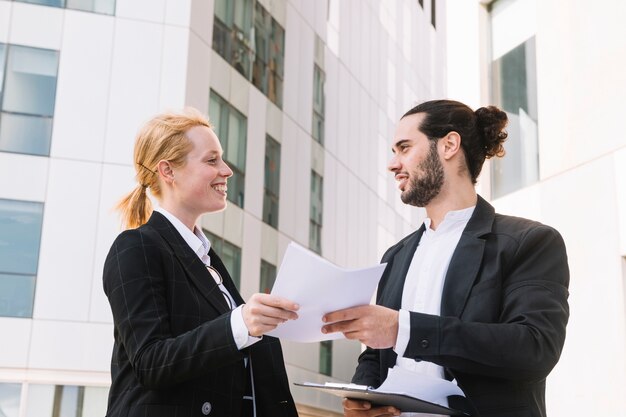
(200, 184)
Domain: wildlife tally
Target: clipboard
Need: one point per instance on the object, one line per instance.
(403, 402)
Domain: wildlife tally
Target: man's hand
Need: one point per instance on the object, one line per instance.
(375, 326)
(263, 312)
(354, 408)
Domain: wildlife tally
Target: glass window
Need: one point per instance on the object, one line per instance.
(272, 182)
(315, 229)
(515, 92)
(20, 236)
(229, 254)
(65, 401)
(10, 395)
(96, 6)
(326, 357)
(247, 36)
(268, 277)
(53, 3)
(231, 128)
(433, 13)
(28, 98)
(318, 104)
(3, 57)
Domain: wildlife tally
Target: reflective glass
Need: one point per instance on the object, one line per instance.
(271, 182)
(326, 357)
(236, 147)
(25, 134)
(236, 188)
(3, 50)
(53, 3)
(10, 399)
(31, 79)
(268, 277)
(97, 6)
(17, 294)
(20, 235)
(231, 257)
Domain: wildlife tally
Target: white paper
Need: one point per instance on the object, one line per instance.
(403, 381)
(319, 287)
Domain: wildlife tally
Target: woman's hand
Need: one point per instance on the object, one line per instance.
(263, 312)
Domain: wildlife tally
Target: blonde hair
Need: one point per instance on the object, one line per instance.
(161, 138)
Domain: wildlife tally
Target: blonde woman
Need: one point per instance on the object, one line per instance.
(185, 342)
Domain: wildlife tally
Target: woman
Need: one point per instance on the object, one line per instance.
(185, 344)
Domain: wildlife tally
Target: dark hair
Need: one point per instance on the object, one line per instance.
(482, 131)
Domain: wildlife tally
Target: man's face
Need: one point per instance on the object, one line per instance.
(416, 163)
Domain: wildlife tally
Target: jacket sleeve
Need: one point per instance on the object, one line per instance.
(135, 275)
(526, 340)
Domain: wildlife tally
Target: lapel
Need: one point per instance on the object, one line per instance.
(466, 260)
(195, 269)
(398, 262)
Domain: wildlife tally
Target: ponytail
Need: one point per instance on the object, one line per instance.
(135, 208)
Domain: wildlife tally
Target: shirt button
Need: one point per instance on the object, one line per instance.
(424, 343)
(206, 408)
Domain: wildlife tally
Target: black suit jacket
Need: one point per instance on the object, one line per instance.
(503, 313)
(174, 352)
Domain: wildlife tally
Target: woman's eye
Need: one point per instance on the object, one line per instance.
(212, 161)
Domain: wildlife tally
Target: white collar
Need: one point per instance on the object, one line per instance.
(196, 240)
(451, 217)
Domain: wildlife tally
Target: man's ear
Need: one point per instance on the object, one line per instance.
(451, 145)
(165, 171)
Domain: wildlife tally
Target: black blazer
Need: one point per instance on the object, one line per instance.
(503, 313)
(174, 352)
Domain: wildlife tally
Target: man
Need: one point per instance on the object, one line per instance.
(472, 295)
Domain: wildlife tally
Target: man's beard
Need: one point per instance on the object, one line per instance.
(426, 180)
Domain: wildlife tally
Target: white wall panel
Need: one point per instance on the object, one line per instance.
(148, 10)
(68, 239)
(80, 113)
(5, 20)
(37, 26)
(30, 184)
(174, 67)
(15, 353)
(135, 84)
(255, 151)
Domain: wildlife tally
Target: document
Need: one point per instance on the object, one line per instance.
(406, 390)
(319, 287)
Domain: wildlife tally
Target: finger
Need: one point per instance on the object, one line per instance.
(259, 309)
(278, 302)
(343, 315)
(342, 326)
(349, 404)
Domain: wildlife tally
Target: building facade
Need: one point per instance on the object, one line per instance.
(555, 68)
(303, 95)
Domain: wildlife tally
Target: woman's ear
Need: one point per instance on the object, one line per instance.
(165, 171)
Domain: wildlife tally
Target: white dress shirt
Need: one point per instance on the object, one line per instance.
(424, 281)
(200, 245)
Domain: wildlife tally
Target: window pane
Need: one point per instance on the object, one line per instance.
(97, 6)
(242, 19)
(268, 277)
(315, 237)
(223, 11)
(318, 90)
(95, 401)
(40, 400)
(3, 50)
(515, 91)
(20, 234)
(231, 257)
(17, 294)
(316, 197)
(236, 147)
(236, 187)
(10, 399)
(54, 3)
(31, 81)
(326, 357)
(25, 134)
(272, 165)
(221, 39)
(277, 49)
(215, 112)
(318, 128)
